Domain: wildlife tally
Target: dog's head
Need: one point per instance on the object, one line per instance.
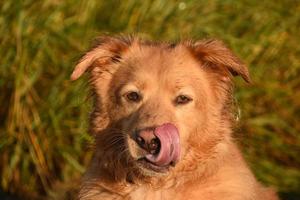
(159, 105)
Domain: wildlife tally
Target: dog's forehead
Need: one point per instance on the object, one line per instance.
(162, 60)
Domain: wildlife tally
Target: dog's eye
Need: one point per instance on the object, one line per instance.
(182, 99)
(133, 96)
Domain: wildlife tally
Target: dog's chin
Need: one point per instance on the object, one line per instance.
(149, 169)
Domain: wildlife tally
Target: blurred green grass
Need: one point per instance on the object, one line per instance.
(43, 116)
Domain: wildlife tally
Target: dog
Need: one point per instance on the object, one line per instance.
(162, 121)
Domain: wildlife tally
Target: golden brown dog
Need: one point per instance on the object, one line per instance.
(162, 122)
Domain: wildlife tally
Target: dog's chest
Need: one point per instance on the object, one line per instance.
(149, 194)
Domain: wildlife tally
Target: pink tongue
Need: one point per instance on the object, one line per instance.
(169, 145)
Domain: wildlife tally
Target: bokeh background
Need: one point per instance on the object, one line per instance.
(44, 143)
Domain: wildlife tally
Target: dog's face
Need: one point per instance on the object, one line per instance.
(168, 103)
(154, 89)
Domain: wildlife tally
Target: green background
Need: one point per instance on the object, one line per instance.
(44, 143)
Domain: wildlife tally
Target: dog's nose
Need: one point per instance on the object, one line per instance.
(148, 141)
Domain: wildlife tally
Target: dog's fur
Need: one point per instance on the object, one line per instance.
(211, 167)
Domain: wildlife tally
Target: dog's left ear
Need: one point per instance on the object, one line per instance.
(106, 50)
(214, 53)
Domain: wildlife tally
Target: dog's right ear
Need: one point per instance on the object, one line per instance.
(106, 50)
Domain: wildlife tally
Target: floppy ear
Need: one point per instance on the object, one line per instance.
(106, 50)
(215, 54)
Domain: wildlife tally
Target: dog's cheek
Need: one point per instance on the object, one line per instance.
(186, 126)
(189, 117)
(120, 111)
(192, 122)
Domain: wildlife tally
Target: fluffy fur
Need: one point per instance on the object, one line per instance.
(211, 167)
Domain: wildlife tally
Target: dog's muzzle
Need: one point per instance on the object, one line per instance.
(162, 144)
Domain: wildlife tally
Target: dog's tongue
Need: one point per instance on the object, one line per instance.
(169, 145)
